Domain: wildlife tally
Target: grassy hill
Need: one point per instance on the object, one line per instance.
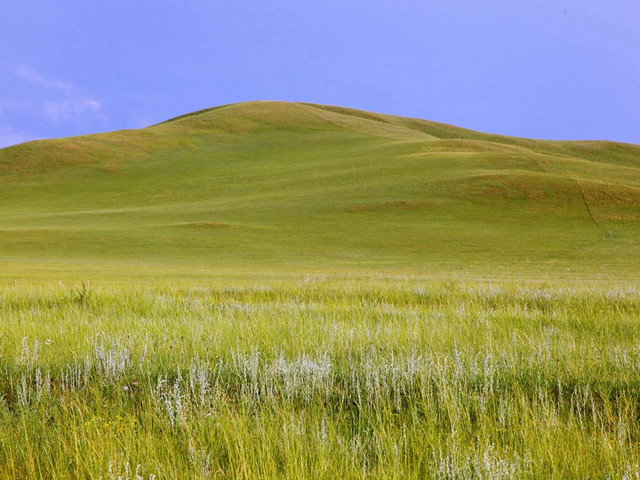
(273, 186)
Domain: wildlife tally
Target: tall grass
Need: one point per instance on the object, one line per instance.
(320, 378)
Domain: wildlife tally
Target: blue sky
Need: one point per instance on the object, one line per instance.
(557, 69)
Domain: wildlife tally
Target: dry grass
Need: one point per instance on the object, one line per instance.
(320, 378)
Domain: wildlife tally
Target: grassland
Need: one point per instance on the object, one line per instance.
(320, 378)
(269, 186)
(274, 290)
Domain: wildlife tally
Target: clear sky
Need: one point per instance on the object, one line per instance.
(556, 69)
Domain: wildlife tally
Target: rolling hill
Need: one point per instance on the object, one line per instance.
(274, 186)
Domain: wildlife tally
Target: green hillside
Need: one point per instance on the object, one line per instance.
(273, 186)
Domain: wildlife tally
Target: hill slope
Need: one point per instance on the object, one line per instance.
(291, 186)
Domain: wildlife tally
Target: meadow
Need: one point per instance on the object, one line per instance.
(320, 377)
(287, 290)
(273, 186)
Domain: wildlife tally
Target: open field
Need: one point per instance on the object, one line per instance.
(274, 290)
(320, 378)
(290, 187)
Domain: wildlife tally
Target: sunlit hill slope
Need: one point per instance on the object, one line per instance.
(273, 186)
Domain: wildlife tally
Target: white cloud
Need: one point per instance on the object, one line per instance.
(30, 75)
(44, 104)
(70, 108)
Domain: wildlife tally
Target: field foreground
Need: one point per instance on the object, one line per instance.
(320, 377)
